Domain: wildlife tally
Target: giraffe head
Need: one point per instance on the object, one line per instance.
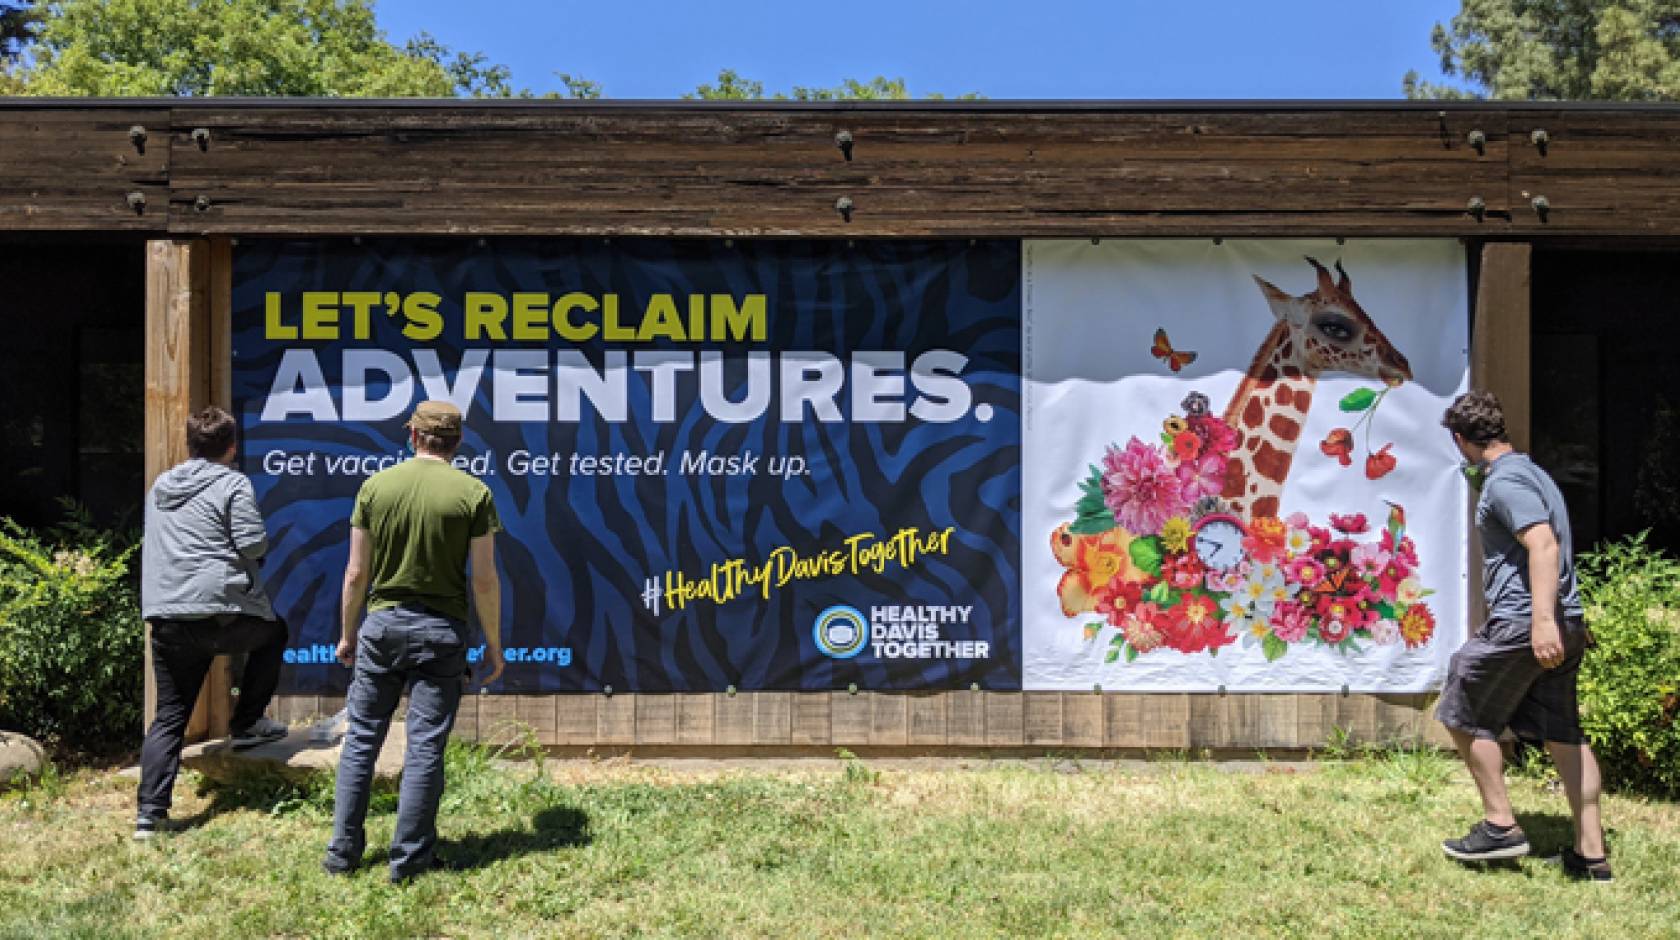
(1330, 332)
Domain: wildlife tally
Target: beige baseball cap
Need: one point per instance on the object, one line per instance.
(437, 417)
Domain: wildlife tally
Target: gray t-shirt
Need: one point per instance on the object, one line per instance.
(1517, 495)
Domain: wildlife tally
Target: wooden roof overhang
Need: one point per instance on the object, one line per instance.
(1483, 170)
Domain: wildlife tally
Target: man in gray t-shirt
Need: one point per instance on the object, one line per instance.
(1519, 670)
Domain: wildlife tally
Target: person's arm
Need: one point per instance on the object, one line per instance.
(487, 601)
(354, 598)
(1545, 635)
(245, 522)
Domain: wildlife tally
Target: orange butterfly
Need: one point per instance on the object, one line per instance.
(1163, 350)
(1333, 580)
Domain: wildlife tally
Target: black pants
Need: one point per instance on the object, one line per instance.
(182, 651)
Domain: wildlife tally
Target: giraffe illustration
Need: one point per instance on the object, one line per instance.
(1323, 331)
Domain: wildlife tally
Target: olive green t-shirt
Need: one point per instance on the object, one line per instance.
(421, 516)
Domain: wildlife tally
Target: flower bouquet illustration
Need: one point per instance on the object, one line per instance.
(1178, 543)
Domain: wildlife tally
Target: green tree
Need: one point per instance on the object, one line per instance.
(326, 48)
(576, 87)
(1625, 50)
(732, 87)
(17, 29)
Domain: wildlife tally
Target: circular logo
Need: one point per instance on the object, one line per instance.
(841, 632)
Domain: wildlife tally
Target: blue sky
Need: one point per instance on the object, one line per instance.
(1043, 49)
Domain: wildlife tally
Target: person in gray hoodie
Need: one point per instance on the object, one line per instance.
(201, 592)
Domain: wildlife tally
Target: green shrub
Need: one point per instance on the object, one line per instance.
(71, 654)
(1630, 684)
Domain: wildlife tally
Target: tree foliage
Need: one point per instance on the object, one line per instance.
(1559, 49)
(325, 48)
(731, 86)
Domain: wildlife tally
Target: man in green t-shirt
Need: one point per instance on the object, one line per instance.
(412, 532)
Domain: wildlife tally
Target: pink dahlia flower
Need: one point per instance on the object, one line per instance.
(1140, 489)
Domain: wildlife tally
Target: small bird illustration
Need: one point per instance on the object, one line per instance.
(1163, 350)
(1396, 521)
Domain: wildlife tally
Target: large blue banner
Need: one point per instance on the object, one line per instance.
(768, 465)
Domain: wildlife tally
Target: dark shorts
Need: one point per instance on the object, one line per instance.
(1495, 683)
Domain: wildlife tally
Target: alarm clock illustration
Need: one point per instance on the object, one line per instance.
(1217, 541)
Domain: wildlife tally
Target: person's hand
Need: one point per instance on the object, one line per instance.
(347, 653)
(493, 663)
(1548, 643)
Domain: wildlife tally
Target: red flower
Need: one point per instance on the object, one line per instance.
(1186, 445)
(1265, 539)
(1334, 631)
(1337, 616)
(1417, 625)
(1380, 464)
(1220, 438)
(1193, 625)
(1183, 571)
(1352, 524)
(1338, 444)
(1117, 597)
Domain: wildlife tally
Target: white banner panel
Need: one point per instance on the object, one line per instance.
(1235, 473)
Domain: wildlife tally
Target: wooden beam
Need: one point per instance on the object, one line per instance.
(177, 380)
(1499, 348)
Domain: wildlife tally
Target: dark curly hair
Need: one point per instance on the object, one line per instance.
(210, 433)
(1476, 417)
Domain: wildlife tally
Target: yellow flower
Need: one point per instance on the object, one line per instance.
(1175, 534)
(1175, 425)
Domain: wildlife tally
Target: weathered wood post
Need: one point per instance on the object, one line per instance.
(188, 294)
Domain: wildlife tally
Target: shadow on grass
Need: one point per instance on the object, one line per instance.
(1548, 833)
(557, 827)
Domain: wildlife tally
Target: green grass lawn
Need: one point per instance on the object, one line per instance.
(1174, 848)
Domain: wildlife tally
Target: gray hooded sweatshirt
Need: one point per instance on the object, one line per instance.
(204, 535)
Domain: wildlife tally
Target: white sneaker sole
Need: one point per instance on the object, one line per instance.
(1496, 855)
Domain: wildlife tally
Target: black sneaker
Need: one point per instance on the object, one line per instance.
(336, 867)
(1483, 843)
(1581, 868)
(438, 863)
(147, 827)
(262, 731)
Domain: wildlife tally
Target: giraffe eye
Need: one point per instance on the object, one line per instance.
(1335, 328)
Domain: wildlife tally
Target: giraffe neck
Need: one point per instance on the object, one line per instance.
(1268, 412)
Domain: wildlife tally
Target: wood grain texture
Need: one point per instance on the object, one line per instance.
(551, 169)
(537, 713)
(1005, 719)
(812, 716)
(955, 719)
(575, 718)
(850, 717)
(615, 717)
(965, 718)
(177, 367)
(656, 718)
(74, 170)
(773, 718)
(734, 718)
(696, 718)
(1042, 719)
(928, 724)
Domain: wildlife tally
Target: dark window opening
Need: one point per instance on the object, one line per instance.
(72, 403)
(1606, 389)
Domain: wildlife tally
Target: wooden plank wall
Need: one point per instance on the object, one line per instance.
(930, 721)
(602, 169)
